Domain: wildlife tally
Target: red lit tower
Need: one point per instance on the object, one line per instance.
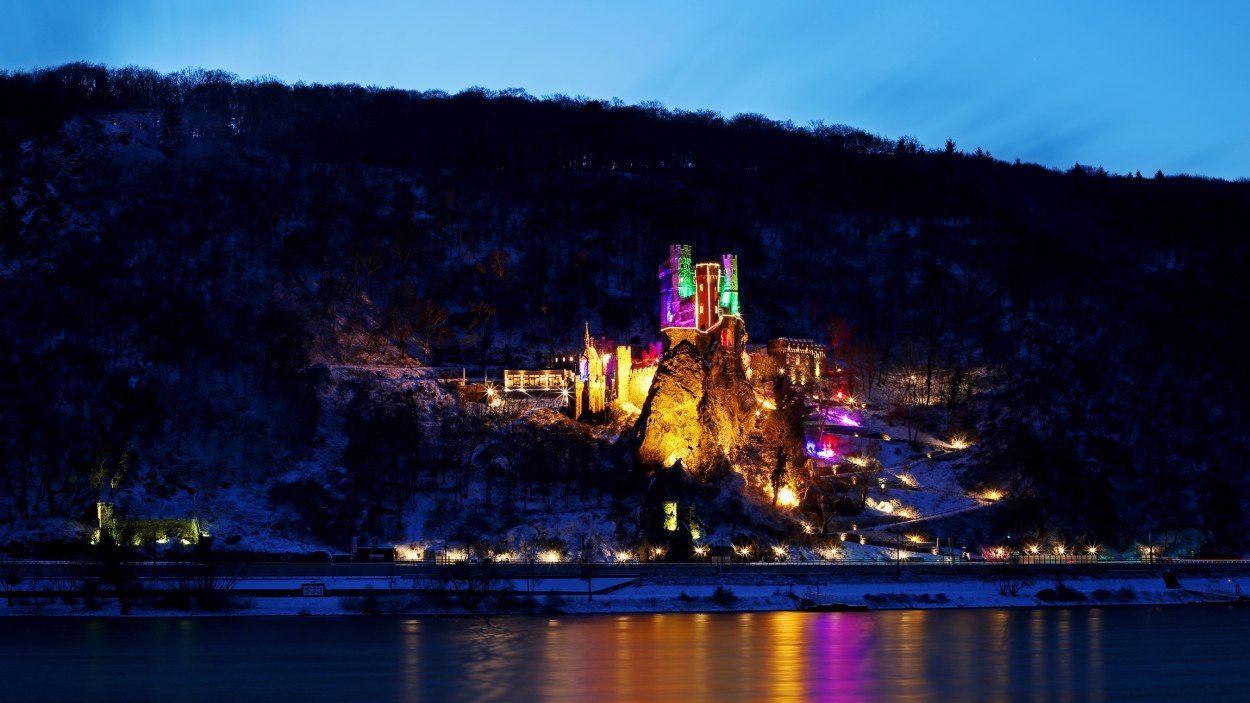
(706, 296)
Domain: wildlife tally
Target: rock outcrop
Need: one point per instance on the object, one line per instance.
(700, 407)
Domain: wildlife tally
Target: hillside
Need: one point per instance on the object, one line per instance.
(217, 288)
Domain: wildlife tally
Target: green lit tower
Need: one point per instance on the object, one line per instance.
(677, 288)
(729, 304)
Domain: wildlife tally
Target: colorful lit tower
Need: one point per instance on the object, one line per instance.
(677, 288)
(729, 304)
(592, 368)
(624, 364)
(707, 296)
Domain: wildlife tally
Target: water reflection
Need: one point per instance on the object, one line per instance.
(410, 671)
(1132, 654)
(909, 655)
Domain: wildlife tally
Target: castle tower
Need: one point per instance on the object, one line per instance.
(575, 400)
(676, 288)
(729, 286)
(707, 296)
(104, 511)
(592, 378)
(624, 361)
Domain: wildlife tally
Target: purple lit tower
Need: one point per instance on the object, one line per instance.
(677, 288)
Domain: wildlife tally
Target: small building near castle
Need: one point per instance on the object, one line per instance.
(800, 360)
(536, 381)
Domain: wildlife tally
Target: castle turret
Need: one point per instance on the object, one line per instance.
(729, 286)
(591, 381)
(707, 296)
(624, 363)
(677, 288)
(104, 512)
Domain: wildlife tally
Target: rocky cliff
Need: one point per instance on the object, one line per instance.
(700, 407)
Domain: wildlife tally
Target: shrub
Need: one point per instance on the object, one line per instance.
(889, 598)
(1067, 593)
(176, 600)
(553, 605)
(364, 605)
(1121, 595)
(510, 600)
(723, 597)
(1060, 593)
(217, 601)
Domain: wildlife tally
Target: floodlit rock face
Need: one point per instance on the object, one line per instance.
(727, 412)
(700, 406)
(669, 428)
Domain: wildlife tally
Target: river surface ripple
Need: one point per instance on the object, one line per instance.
(1095, 654)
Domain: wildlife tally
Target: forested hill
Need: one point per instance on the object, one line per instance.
(183, 257)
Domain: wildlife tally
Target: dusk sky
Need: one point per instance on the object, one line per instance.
(1123, 85)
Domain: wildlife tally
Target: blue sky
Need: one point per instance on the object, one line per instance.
(1133, 85)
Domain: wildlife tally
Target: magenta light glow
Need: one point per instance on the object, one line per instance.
(842, 417)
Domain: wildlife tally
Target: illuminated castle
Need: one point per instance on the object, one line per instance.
(696, 297)
(700, 406)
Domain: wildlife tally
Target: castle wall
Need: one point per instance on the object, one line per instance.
(640, 384)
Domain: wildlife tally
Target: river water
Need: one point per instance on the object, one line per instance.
(1195, 653)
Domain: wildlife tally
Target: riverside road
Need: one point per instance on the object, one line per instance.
(363, 567)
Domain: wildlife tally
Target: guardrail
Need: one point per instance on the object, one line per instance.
(847, 567)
